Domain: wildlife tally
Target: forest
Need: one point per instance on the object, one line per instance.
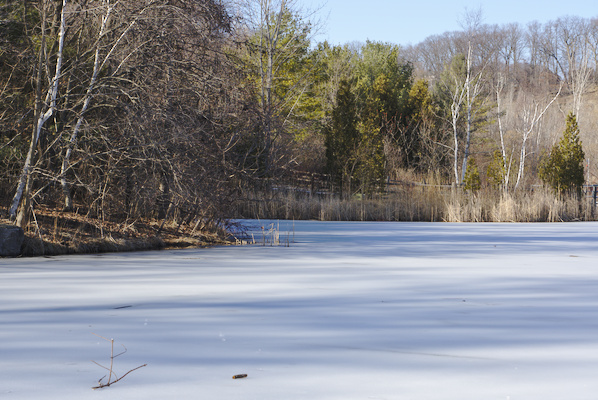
(183, 114)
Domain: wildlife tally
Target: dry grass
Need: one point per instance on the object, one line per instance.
(421, 203)
(540, 205)
(410, 204)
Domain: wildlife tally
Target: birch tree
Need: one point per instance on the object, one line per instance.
(462, 88)
(499, 87)
(530, 116)
(44, 109)
(458, 95)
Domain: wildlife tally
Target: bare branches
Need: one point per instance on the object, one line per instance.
(41, 115)
(531, 115)
(112, 377)
(144, 90)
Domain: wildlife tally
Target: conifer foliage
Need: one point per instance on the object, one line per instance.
(472, 181)
(342, 137)
(562, 169)
(496, 171)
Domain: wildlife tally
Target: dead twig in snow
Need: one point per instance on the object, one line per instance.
(111, 374)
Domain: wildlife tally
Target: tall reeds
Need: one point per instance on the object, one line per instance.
(420, 203)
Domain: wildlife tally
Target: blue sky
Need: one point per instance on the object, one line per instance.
(411, 21)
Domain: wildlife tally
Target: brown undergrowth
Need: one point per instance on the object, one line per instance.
(55, 232)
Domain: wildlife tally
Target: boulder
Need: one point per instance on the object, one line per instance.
(11, 240)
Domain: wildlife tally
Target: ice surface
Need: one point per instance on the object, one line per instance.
(348, 311)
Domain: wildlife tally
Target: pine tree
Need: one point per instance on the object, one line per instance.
(342, 137)
(496, 171)
(354, 146)
(472, 181)
(562, 169)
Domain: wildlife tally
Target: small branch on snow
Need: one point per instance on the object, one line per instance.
(111, 369)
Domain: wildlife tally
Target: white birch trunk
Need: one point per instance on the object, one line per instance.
(522, 157)
(499, 87)
(455, 117)
(468, 101)
(50, 102)
(458, 97)
(530, 123)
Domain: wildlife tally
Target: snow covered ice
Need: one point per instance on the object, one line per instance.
(349, 311)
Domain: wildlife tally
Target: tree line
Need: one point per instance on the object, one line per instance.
(171, 108)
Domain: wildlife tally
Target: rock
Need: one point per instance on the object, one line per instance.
(11, 240)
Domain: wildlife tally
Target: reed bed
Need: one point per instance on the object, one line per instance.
(419, 203)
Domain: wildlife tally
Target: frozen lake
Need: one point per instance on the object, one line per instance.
(349, 311)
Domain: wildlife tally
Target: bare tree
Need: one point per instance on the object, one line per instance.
(103, 53)
(462, 87)
(44, 109)
(530, 115)
(452, 85)
(578, 55)
(431, 56)
(566, 43)
(146, 111)
(593, 43)
(279, 32)
(511, 47)
(499, 87)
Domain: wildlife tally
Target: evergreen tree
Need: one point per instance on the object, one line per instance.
(383, 85)
(472, 181)
(354, 146)
(370, 169)
(496, 170)
(342, 138)
(562, 169)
